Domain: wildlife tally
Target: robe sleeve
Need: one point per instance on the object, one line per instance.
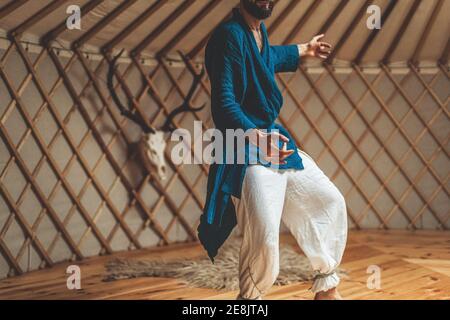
(225, 69)
(286, 58)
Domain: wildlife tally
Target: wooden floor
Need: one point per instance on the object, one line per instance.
(415, 265)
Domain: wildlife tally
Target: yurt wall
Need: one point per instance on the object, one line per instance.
(374, 117)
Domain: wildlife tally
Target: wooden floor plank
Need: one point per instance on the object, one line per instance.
(414, 265)
(439, 265)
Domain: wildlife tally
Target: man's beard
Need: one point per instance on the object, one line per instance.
(259, 13)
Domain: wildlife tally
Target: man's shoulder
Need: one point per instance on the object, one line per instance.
(227, 35)
(229, 30)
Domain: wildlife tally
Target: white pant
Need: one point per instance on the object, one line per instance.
(312, 208)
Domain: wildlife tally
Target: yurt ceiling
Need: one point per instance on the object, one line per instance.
(412, 30)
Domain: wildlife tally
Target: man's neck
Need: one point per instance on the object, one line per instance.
(252, 22)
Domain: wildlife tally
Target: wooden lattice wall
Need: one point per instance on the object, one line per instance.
(72, 186)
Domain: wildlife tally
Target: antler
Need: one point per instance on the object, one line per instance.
(185, 106)
(126, 112)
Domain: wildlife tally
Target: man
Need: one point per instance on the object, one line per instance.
(287, 185)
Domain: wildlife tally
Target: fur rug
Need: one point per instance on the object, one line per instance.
(201, 273)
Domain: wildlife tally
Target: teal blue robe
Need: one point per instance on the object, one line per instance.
(244, 95)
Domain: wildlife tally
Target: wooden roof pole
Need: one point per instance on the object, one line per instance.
(137, 50)
(289, 9)
(301, 22)
(333, 16)
(103, 23)
(401, 31)
(133, 25)
(426, 32)
(188, 27)
(10, 7)
(17, 32)
(194, 51)
(348, 31)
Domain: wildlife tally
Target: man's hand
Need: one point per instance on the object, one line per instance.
(268, 144)
(316, 48)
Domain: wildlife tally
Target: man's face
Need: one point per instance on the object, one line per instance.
(260, 9)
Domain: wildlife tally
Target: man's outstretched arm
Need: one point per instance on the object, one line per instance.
(315, 48)
(287, 58)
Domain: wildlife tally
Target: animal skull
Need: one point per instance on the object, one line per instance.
(151, 150)
(152, 144)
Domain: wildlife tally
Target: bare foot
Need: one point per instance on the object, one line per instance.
(331, 294)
